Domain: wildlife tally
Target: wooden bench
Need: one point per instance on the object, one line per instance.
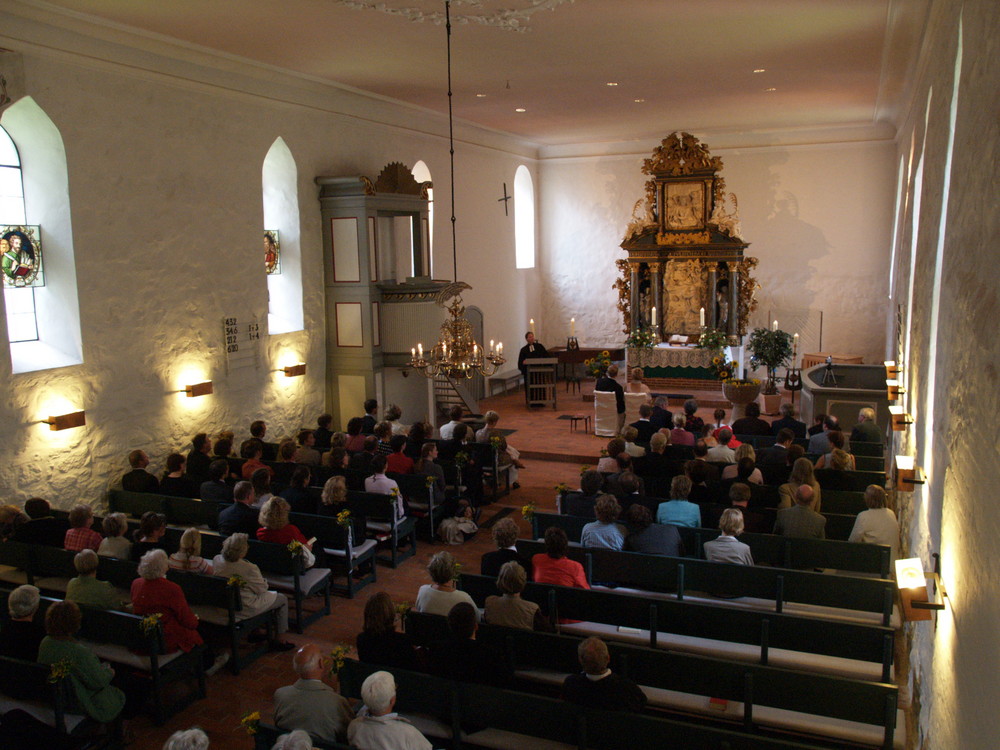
(804, 593)
(267, 735)
(25, 685)
(119, 638)
(420, 497)
(861, 711)
(856, 481)
(285, 572)
(180, 511)
(767, 549)
(805, 643)
(527, 721)
(341, 550)
(380, 514)
(505, 380)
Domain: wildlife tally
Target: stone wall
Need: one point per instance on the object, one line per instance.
(945, 290)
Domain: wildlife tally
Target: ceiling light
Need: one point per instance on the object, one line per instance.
(759, 70)
(612, 83)
(480, 96)
(638, 101)
(771, 89)
(520, 109)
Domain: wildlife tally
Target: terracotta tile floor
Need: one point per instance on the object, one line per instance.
(537, 432)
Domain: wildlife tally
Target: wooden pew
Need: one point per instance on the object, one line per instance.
(805, 593)
(340, 549)
(179, 511)
(120, 638)
(26, 686)
(804, 643)
(856, 481)
(761, 694)
(525, 721)
(767, 549)
(420, 498)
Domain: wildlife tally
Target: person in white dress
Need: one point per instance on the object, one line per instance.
(878, 524)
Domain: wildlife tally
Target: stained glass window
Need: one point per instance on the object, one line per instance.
(272, 251)
(19, 260)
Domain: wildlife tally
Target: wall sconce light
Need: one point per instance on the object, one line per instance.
(198, 389)
(911, 579)
(899, 418)
(294, 371)
(908, 474)
(893, 389)
(66, 421)
(892, 370)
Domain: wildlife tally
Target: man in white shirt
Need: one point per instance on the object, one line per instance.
(310, 703)
(381, 484)
(448, 430)
(379, 727)
(722, 453)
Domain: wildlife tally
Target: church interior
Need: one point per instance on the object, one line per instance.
(157, 142)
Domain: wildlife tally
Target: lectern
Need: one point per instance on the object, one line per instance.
(540, 385)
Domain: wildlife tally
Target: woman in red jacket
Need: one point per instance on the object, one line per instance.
(152, 593)
(552, 566)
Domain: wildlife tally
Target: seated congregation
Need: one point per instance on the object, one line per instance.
(455, 666)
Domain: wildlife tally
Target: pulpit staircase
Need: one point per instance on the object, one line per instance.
(448, 392)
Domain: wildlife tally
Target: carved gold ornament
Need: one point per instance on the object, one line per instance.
(679, 156)
(690, 238)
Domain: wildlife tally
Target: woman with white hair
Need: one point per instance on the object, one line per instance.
(878, 524)
(377, 726)
(297, 740)
(152, 593)
(188, 556)
(441, 595)
(21, 635)
(86, 589)
(187, 739)
(254, 594)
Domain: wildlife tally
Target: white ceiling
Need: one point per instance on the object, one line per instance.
(831, 63)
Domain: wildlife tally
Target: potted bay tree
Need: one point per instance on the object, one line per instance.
(770, 349)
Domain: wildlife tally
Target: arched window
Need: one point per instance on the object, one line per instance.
(279, 181)
(20, 303)
(43, 322)
(421, 173)
(524, 219)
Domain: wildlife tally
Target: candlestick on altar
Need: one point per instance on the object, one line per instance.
(653, 317)
(701, 317)
(531, 325)
(774, 326)
(795, 348)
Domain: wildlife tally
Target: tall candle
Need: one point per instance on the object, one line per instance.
(774, 326)
(654, 317)
(572, 327)
(420, 348)
(413, 353)
(491, 346)
(531, 324)
(795, 349)
(701, 317)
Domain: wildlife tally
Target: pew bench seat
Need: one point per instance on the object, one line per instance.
(805, 662)
(775, 718)
(42, 711)
(502, 739)
(767, 605)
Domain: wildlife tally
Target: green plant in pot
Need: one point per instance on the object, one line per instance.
(771, 350)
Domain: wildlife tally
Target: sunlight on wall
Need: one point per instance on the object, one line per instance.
(279, 179)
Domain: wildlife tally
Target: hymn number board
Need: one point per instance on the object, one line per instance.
(241, 335)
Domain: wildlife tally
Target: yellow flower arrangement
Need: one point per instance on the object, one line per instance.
(250, 722)
(238, 581)
(429, 481)
(584, 469)
(528, 511)
(295, 547)
(562, 488)
(458, 571)
(60, 670)
(150, 623)
(403, 609)
(337, 656)
(344, 518)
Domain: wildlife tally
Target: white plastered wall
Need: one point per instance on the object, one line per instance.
(949, 240)
(164, 148)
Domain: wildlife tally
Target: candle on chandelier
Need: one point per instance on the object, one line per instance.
(653, 316)
(475, 351)
(774, 326)
(500, 349)
(420, 348)
(413, 353)
(572, 327)
(491, 346)
(701, 317)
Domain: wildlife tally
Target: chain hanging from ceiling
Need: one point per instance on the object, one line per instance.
(507, 17)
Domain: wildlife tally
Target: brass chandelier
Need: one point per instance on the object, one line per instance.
(456, 355)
